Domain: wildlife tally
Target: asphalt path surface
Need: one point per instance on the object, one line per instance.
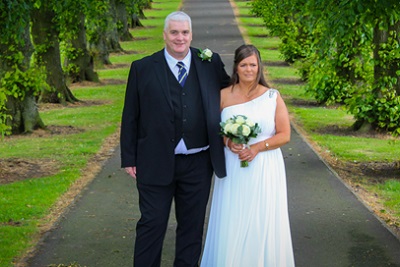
(330, 226)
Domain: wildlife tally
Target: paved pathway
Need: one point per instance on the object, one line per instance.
(330, 227)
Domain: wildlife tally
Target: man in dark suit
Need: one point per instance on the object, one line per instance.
(170, 141)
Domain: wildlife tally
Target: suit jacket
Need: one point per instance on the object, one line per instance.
(147, 129)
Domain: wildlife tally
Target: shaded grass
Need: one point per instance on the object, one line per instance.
(282, 72)
(119, 74)
(391, 191)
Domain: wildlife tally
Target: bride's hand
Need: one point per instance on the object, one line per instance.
(248, 153)
(236, 148)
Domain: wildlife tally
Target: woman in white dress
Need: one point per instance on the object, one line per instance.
(249, 221)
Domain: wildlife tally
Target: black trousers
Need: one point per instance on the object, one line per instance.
(190, 191)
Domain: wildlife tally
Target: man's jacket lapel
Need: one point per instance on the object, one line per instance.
(201, 69)
(160, 69)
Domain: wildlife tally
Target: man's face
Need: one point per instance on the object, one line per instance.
(177, 38)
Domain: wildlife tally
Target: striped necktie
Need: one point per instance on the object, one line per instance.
(182, 73)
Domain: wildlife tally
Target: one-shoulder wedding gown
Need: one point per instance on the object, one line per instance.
(249, 221)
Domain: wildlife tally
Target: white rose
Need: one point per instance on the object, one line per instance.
(246, 130)
(240, 119)
(250, 123)
(227, 128)
(234, 129)
(208, 53)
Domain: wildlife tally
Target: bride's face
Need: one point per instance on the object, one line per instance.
(247, 69)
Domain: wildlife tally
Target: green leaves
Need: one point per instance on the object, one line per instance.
(4, 128)
(16, 83)
(345, 50)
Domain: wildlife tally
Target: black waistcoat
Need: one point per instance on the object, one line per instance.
(190, 122)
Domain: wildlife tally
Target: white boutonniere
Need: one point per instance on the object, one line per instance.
(205, 54)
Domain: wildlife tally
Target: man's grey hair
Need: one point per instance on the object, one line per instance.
(177, 16)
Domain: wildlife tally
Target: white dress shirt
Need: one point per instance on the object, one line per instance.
(181, 146)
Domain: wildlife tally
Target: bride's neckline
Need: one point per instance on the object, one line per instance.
(250, 100)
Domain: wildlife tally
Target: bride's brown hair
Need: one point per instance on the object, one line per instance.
(242, 52)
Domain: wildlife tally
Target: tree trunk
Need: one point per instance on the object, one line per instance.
(24, 112)
(99, 50)
(80, 63)
(147, 5)
(45, 37)
(394, 66)
(379, 37)
(122, 21)
(386, 67)
(113, 44)
(135, 21)
(363, 125)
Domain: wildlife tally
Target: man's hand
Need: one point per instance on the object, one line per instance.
(131, 171)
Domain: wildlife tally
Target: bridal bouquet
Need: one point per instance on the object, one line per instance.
(240, 129)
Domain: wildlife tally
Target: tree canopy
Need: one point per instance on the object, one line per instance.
(348, 51)
(46, 44)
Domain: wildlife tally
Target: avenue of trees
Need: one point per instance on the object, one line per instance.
(47, 44)
(348, 51)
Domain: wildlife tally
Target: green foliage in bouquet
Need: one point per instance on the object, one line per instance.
(240, 129)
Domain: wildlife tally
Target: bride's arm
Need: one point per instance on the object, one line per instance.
(282, 126)
(281, 137)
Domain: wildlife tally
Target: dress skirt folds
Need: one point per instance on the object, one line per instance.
(249, 221)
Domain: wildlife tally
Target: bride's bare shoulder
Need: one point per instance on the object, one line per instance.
(225, 93)
(226, 89)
